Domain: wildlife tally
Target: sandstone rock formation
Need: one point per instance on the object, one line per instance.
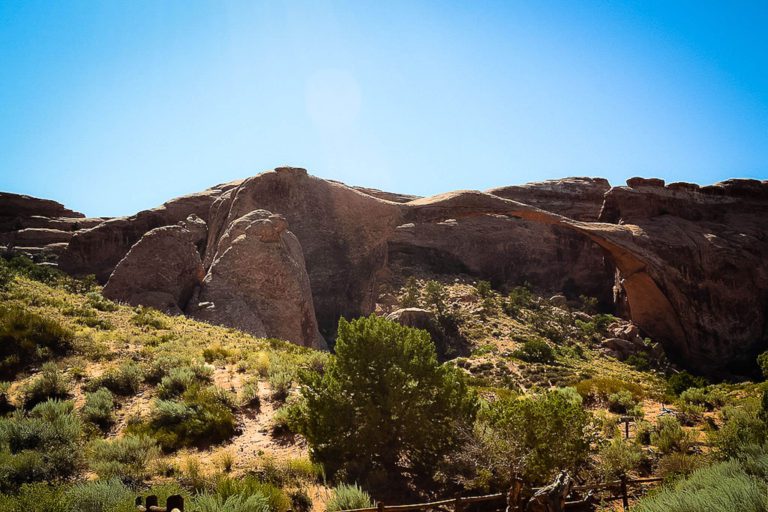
(99, 249)
(577, 198)
(257, 281)
(343, 234)
(38, 227)
(162, 269)
(685, 263)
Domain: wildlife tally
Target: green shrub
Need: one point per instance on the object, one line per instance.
(51, 383)
(100, 496)
(148, 317)
(42, 497)
(533, 437)
(599, 389)
(709, 397)
(683, 380)
(411, 294)
(98, 301)
(176, 383)
(98, 408)
(249, 485)
(762, 362)
(249, 396)
(724, 487)
(6, 275)
(622, 402)
(675, 465)
(382, 399)
(640, 361)
(163, 365)
(206, 502)
(40, 445)
(27, 338)
(126, 458)
(668, 436)
(347, 497)
(203, 415)
(435, 296)
(23, 266)
(619, 457)
(742, 427)
(535, 351)
(519, 297)
(215, 352)
(125, 380)
(280, 380)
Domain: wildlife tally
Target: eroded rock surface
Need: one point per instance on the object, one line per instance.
(162, 269)
(257, 282)
(99, 249)
(686, 263)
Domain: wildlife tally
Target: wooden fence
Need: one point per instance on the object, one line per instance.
(621, 487)
(458, 504)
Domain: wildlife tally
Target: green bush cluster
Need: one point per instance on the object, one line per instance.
(124, 380)
(98, 408)
(518, 298)
(148, 317)
(202, 415)
(619, 457)
(178, 381)
(347, 497)
(535, 351)
(681, 381)
(668, 436)
(99, 302)
(250, 485)
(600, 389)
(127, 458)
(40, 445)
(725, 487)
(50, 383)
(27, 338)
(532, 437)
(5, 401)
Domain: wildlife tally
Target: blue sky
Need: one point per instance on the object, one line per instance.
(112, 107)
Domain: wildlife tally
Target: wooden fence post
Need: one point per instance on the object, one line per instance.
(624, 496)
(458, 506)
(380, 506)
(175, 502)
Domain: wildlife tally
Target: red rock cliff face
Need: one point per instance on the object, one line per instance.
(693, 265)
(689, 261)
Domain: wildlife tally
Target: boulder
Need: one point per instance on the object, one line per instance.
(417, 318)
(258, 283)
(162, 269)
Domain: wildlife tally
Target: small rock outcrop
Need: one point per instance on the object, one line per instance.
(162, 270)
(39, 228)
(576, 198)
(257, 282)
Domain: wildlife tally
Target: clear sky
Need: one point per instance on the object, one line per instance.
(115, 106)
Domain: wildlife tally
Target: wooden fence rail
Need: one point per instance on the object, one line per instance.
(621, 485)
(176, 503)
